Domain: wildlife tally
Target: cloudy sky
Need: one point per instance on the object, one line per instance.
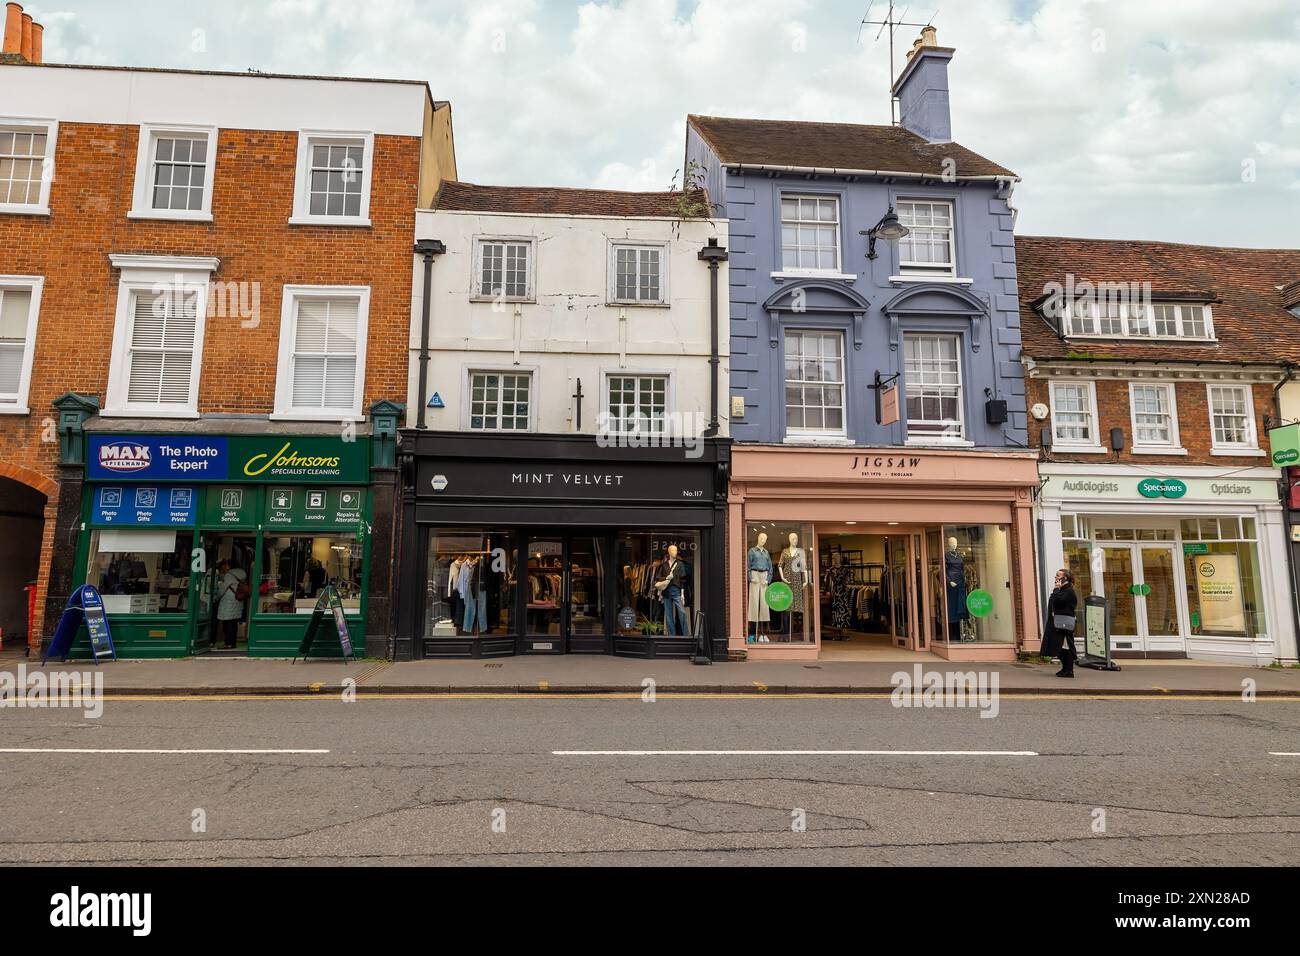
(1158, 119)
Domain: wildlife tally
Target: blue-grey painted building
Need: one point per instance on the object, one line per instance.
(799, 197)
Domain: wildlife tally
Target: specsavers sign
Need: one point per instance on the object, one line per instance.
(1158, 489)
(237, 458)
(1284, 445)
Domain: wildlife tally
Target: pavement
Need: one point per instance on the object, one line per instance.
(573, 674)
(730, 781)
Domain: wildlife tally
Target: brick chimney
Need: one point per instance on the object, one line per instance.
(922, 89)
(23, 38)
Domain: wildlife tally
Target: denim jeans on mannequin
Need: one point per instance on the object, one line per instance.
(674, 612)
(475, 604)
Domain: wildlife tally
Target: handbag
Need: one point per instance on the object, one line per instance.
(1063, 622)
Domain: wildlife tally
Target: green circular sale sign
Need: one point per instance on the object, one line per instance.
(979, 603)
(779, 596)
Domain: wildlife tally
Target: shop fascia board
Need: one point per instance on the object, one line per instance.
(1259, 473)
(218, 426)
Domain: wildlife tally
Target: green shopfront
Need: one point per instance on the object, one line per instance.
(203, 543)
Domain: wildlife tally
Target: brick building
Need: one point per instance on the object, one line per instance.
(211, 276)
(1153, 371)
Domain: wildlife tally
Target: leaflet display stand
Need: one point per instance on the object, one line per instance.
(1096, 636)
(85, 606)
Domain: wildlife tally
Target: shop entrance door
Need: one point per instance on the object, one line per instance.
(904, 586)
(1139, 582)
(564, 596)
(225, 597)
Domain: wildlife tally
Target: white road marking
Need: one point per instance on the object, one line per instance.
(1275, 753)
(78, 750)
(793, 753)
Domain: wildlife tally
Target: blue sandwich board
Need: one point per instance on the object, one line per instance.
(84, 606)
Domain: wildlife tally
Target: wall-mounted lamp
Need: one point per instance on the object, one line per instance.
(889, 229)
(1117, 440)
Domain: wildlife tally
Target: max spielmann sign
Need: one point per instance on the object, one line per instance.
(235, 458)
(613, 483)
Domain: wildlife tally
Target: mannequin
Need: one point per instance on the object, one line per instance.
(954, 565)
(670, 583)
(759, 565)
(792, 568)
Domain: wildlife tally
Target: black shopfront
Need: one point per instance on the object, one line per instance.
(537, 544)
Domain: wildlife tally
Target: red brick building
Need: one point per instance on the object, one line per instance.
(1152, 373)
(212, 257)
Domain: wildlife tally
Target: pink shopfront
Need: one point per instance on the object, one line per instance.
(885, 550)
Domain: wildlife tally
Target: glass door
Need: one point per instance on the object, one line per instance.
(1140, 585)
(899, 575)
(586, 591)
(1158, 597)
(546, 594)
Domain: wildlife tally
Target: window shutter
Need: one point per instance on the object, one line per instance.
(162, 348)
(325, 355)
(15, 307)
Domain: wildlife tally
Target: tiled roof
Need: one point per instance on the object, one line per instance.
(750, 142)
(539, 200)
(1245, 286)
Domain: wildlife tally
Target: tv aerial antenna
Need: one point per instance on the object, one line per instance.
(891, 23)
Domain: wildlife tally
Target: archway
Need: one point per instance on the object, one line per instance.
(22, 527)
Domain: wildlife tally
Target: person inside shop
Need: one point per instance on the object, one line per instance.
(1058, 630)
(670, 582)
(233, 591)
(316, 577)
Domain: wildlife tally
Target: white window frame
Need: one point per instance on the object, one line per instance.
(467, 391)
(50, 128)
(142, 198)
(804, 434)
(1126, 322)
(1251, 446)
(1172, 447)
(1093, 447)
(284, 408)
(932, 437)
(839, 234)
(669, 397)
(307, 138)
(938, 270)
(662, 249)
(477, 292)
(34, 285)
(144, 274)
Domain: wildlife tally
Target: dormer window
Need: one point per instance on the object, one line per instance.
(1110, 318)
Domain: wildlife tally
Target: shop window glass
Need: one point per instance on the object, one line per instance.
(1080, 561)
(645, 609)
(470, 583)
(977, 579)
(779, 552)
(142, 571)
(295, 570)
(1224, 595)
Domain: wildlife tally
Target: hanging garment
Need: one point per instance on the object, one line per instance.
(841, 597)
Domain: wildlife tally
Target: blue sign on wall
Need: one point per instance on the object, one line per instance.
(145, 507)
(151, 458)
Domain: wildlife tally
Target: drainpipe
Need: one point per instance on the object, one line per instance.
(1286, 507)
(428, 248)
(713, 254)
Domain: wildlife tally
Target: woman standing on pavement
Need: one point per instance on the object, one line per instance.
(1058, 630)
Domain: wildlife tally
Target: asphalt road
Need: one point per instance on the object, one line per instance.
(473, 781)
